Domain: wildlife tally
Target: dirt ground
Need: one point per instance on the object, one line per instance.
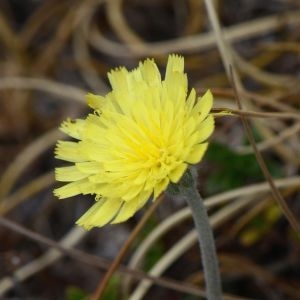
(52, 53)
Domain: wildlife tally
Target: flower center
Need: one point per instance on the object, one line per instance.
(165, 159)
(163, 163)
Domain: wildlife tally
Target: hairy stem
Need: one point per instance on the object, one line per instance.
(205, 236)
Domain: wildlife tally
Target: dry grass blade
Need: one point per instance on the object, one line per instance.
(189, 44)
(89, 259)
(183, 245)
(103, 283)
(50, 257)
(232, 75)
(258, 114)
(34, 186)
(273, 141)
(54, 52)
(44, 85)
(233, 263)
(27, 156)
(276, 193)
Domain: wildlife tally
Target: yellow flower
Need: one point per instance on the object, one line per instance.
(142, 135)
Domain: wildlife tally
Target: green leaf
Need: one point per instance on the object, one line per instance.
(232, 170)
(75, 293)
(112, 289)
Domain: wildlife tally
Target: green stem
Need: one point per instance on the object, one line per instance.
(205, 236)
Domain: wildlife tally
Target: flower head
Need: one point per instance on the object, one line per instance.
(141, 136)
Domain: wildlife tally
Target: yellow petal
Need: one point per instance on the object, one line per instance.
(127, 210)
(94, 132)
(205, 129)
(118, 79)
(95, 101)
(203, 107)
(131, 192)
(177, 173)
(190, 102)
(196, 153)
(68, 174)
(69, 151)
(73, 128)
(190, 126)
(175, 64)
(160, 187)
(101, 213)
(82, 186)
(89, 167)
(68, 190)
(176, 81)
(150, 73)
(140, 176)
(143, 197)
(167, 121)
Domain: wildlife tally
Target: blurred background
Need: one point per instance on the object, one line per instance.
(53, 52)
